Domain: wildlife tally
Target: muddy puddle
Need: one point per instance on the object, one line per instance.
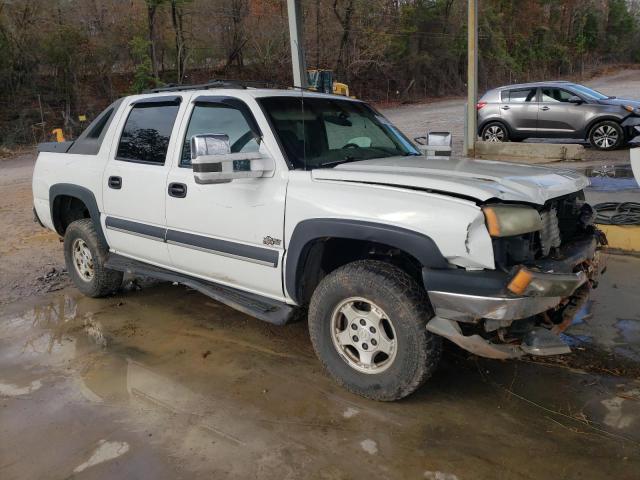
(611, 178)
(164, 383)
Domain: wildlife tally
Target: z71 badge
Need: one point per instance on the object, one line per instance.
(271, 241)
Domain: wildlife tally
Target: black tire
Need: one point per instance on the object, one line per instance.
(606, 135)
(405, 302)
(495, 132)
(103, 281)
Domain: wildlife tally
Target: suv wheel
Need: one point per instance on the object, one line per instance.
(85, 256)
(367, 324)
(495, 132)
(607, 135)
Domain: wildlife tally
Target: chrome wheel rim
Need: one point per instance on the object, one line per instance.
(82, 260)
(605, 136)
(363, 335)
(493, 134)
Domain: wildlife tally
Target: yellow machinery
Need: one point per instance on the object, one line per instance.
(323, 81)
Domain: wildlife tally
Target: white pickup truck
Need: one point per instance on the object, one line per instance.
(273, 201)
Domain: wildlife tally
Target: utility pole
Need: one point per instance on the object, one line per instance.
(296, 37)
(472, 79)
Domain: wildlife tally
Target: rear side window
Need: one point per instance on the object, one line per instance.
(146, 134)
(90, 141)
(519, 96)
(96, 130)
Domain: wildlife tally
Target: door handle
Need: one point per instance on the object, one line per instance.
(115, 183)
(506, 107)
(544, 109)
(177, 190)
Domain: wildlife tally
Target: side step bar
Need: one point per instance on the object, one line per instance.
(263, 308)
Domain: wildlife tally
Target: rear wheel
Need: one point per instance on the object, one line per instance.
(367, 322)
(85, 255)
(495, 132)
(607, 135)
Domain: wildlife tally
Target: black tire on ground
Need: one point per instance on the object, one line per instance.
(495, 132)
(606, 135)
(408, 310)
(103, 281)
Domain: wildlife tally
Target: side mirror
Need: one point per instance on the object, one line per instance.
(213, 162)
(575, 99)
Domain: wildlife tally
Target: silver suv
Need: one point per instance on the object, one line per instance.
(557, 109)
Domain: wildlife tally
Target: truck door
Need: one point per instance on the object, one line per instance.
(230, 233)
(134, 181)
(519, 110)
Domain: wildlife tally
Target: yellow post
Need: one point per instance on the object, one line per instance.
(59, 134)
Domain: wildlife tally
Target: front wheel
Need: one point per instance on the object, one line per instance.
(607, 135)
(85, 255)
(367, 322)
(495, 132)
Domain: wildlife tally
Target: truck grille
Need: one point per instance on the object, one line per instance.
(561, 224)
(550, 233)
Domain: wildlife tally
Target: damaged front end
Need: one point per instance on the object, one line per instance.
(541, 281)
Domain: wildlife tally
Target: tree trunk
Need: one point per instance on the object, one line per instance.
(152, 8)
(181, 47)
(345, 22)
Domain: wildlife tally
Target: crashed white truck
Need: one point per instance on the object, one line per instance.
(277, 202)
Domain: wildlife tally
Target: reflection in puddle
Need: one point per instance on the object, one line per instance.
(583, 314)
(610, 178)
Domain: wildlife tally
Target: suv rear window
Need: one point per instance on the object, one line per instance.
(519, 96)
(145, 137)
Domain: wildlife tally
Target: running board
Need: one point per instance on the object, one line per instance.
(262, 308)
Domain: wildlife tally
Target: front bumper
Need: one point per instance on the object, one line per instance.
(631, 126)
(469, 297)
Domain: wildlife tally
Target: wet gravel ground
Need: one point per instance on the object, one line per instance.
(159, 381)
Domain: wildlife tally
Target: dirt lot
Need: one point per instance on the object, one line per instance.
(161, 382)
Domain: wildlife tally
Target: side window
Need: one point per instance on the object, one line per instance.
(520, 96)
(555, 95)
(217, 118)
(146, 134)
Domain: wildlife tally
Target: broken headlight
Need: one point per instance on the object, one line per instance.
(510, 220)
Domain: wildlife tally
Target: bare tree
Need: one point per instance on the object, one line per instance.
(152, 10)
(177, 20)
(344, 18)
(237, 37)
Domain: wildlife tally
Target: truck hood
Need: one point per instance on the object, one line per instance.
(478, 179)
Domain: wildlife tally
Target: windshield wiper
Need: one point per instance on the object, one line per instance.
(346, 159)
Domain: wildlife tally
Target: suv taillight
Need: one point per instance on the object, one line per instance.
(479, 105)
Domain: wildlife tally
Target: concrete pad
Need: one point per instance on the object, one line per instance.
(530, 152)
(622, 237)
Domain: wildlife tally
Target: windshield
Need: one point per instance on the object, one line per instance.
(589, 93)
(325, 132)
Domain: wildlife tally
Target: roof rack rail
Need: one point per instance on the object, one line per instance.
(240, 84)
(202, 86)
